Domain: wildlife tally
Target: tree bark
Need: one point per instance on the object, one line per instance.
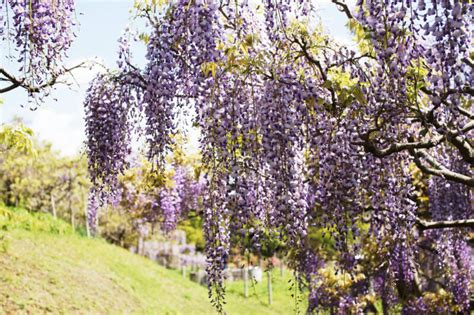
(53, 206)
(71, 208)
(425, 225)
(269, 287)
(246, 281)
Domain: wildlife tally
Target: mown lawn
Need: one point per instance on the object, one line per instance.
(47, 268)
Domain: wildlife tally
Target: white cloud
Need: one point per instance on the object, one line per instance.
(64, 130)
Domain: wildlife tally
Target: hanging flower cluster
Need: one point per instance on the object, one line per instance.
(111, 107)
(452, 201)
(177, 201)
(163, 205)
(299, 134)
(42, 32)
(108, 130)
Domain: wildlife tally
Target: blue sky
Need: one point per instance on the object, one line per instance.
(61, 122)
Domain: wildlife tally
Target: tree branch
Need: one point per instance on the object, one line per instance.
(396, 147)
(426, 225)
(343, 8)
(13, 86)
(465, 112)
(462, 145)
(21, 82)
(438, 169)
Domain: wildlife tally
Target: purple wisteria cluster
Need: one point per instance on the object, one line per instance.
(177, 201)
(300, 135)
(108, 130)
(422, 78)
(163, 205)
(92, 210)
(109, 126)
(42, 32)
(452, 201)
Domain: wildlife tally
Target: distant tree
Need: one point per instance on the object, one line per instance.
(35, 177)
(147, 200)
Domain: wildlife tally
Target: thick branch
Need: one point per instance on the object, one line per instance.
(462, 145)
(21, 82)
(396, 147)
(468, 62)
(9, 78)
(438, 169)
(466, 113)
(425, 225)
(10, 87)
(343, 8)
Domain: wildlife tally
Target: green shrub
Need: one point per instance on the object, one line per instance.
(14, 218)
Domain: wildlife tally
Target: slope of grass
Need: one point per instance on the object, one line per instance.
(47, 268)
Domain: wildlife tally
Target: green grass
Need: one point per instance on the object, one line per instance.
(47, 268)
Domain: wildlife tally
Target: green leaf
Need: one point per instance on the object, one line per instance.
(359, 95)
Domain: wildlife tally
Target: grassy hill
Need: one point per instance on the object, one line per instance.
(47, 268)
